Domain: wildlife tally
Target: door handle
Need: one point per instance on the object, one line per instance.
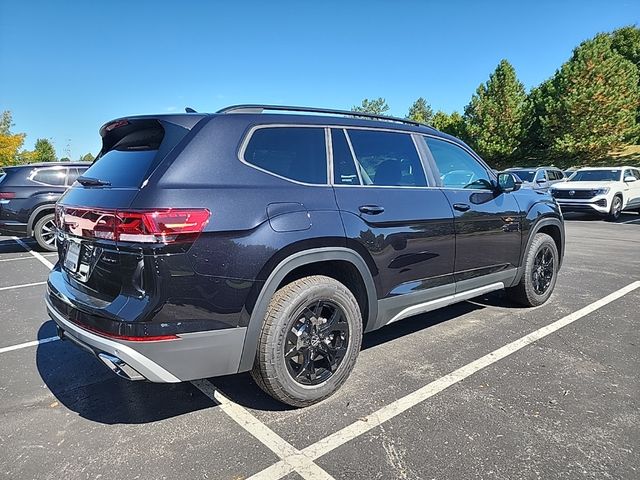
(461, 207)
(371, 209)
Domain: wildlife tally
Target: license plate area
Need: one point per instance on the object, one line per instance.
(72, 256)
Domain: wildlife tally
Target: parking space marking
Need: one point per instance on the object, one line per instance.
(28, 344)
(292, 458)
(30, 257)
(22, 286)
(34, 253)
(375, 419)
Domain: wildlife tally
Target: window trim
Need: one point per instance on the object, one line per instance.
(434, 166)
(247, 138)
(37, 170)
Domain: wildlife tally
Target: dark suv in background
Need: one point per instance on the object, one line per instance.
(208, 244)
(28, 194)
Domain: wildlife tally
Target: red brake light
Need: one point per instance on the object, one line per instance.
(144, 226)
(7, 195)
(118, 124)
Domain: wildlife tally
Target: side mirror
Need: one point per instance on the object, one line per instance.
(540, 181)
(508, 182)
(630, 178)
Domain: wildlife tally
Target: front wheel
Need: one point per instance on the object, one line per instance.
(44, 232)
(616, 209)
(540, 271)
(309, 342)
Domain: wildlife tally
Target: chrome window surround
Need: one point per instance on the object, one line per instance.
(329, 150)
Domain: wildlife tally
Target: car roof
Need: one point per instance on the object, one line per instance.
(534, 168)
(606, 168)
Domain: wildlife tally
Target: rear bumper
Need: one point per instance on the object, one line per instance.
(189, 357)
(10, 228)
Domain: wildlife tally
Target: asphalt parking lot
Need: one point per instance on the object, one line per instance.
(482, 389)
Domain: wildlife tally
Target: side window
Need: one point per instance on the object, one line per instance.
(457, 168)
(72, 175)
(552, 175)
(51, 176)
(297, 153)
(540, 175)
(387, 158)
(344, 169)
(636, 173)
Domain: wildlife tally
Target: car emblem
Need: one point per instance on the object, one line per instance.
(572, 192)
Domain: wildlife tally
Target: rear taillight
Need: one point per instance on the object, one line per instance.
(7, 195)
(165, 226)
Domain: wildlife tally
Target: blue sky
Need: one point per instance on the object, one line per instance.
(68, 67)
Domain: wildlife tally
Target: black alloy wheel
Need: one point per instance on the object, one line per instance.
(316, 343)
(543, 270)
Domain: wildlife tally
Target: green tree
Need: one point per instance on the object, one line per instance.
(10, 143)
(494, 117)
(44, 151)
(453, 124)
(87, 157)
(589, 106)
(420, 111)
(376, 106)
(626, 42)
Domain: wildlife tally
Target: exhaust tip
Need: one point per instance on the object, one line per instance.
(120, 368)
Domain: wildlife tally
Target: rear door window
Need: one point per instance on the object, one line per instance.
(295, 153)
(387, 158)
(50, 176)
(344, 168)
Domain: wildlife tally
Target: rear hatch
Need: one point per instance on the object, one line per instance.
(105, 248)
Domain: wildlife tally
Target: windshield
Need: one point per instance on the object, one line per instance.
(525, 175)
(595, 176)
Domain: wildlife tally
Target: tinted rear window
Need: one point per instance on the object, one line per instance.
(297, 153)
(126, 169)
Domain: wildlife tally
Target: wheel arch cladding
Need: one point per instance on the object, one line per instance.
(295, 266)
(37, 214)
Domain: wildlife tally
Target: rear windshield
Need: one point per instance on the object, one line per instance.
(125, 169)
(525, 175)
(596, 176)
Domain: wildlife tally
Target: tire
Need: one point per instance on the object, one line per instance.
(44, 232)
(616, 209)
(539, 278)
(293, 314)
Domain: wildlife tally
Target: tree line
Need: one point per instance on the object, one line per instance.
(12, 153)
(589, 107)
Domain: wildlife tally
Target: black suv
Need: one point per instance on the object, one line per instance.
(208, 244)
(28, 194)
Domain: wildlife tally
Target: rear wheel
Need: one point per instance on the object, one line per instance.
(44, 231)
(540, 270)
(616, 209)
(310, 340)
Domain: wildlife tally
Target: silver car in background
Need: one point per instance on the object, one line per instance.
(538, 178)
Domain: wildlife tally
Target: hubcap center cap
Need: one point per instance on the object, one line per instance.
(315, 341)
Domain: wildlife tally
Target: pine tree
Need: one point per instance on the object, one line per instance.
(494, 117)
(420, 111)
(44, 151)
(376, 106)
(453, 123)
(589, 106)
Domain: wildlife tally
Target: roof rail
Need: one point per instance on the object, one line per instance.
(257, 108)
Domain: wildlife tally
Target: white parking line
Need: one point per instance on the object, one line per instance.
(631, 221)
(28, 344)
(292, 458)
(359, 427)
(22, 286)
(30, 257)
(35, 254)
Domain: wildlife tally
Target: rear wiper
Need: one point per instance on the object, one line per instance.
(92, 182)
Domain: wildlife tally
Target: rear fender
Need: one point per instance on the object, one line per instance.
(280, 272)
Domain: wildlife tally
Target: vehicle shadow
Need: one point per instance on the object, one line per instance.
(81, 383)
(84, 385)
(629, 218)
(9, 245)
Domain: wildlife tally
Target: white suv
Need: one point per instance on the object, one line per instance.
(607, 191)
